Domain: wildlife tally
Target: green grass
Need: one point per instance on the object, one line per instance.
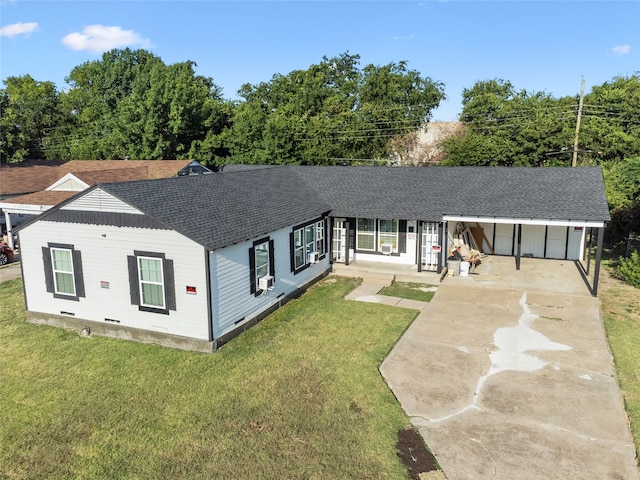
(408, 290)
(297, 396)
(621, 316)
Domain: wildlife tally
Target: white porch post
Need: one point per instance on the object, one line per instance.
(7, 218)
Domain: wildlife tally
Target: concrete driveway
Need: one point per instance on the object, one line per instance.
(10, 271)
(508, 375)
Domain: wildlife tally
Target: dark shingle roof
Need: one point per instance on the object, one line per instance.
(222, 209)
(428, 193)
(226, 208)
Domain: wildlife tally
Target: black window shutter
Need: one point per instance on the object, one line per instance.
(48, 269)
(272, 266)
(292, 252)
(134, 288)
(169, 284)
(77, 273)
(252, 269)
(402, 236)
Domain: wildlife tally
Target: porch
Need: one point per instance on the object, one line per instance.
(385, 273)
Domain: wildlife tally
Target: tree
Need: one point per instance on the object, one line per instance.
(622, 186)
(509, 127)
(29, 114)
(610, 128)
(131, 104)
(330, 112)
(512, 128)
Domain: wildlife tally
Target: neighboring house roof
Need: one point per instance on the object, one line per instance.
(429, 193)
(16, 179)
(74, 176)
(226, 208)
(38, 201)
(27, 177)
(222, 209)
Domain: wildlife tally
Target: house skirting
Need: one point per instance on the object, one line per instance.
(121, 332)
(114, 330)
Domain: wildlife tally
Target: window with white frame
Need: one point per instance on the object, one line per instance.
(151, 279)
(63, 276)
(388, 234)
(320, 238)
(366, 234)
(151, 282)
(63, 271)
(300, 256)
(261, 252)
(261, 263)
(306, 240)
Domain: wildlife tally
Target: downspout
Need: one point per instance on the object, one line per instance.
(346, 241)
(419, 243)
(330, 247)
(519, 251)
(207, 263)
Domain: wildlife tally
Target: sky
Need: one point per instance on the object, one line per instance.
(539, 46)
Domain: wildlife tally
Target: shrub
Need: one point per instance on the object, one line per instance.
(629, 269)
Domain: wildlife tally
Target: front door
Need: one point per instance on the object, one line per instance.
(430, 245)
(339, 240)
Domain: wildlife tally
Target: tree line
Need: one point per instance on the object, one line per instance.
(130, 104)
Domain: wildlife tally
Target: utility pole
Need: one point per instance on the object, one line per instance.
(575, 142)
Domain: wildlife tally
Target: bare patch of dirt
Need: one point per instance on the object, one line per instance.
(414, 454)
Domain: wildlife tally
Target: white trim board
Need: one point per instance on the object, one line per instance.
(523, 221)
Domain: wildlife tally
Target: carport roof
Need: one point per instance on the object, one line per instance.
(430, 193)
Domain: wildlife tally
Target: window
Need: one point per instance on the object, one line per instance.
(381, 235)
(151, 282)
(388, 234)
(63, 281)
(366, 234)
(261, 263)
(305, 240)
(299, 249)
(63, 271)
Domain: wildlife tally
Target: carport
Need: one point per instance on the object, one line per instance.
(562, 239)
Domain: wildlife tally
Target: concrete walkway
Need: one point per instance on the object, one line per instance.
(507, 374)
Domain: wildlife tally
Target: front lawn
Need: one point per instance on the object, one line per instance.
(413, 291)
(297, 396)
(621, 316)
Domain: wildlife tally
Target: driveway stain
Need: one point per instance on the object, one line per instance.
(512, 343)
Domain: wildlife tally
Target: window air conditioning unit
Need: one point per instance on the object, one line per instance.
(314, 257)
(266, 282)
(386, 249)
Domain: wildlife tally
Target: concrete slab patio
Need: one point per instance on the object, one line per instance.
(508, 375)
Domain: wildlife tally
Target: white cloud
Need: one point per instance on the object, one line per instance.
(101, 38)
(406, 37)
(621, 49)
(18, 29)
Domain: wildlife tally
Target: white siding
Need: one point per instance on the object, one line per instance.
(576, 244)
(503, 239)
(70, 185)
(104, 252)
(556, 241)
(231, 297)
(100, 201)
(532, 240)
